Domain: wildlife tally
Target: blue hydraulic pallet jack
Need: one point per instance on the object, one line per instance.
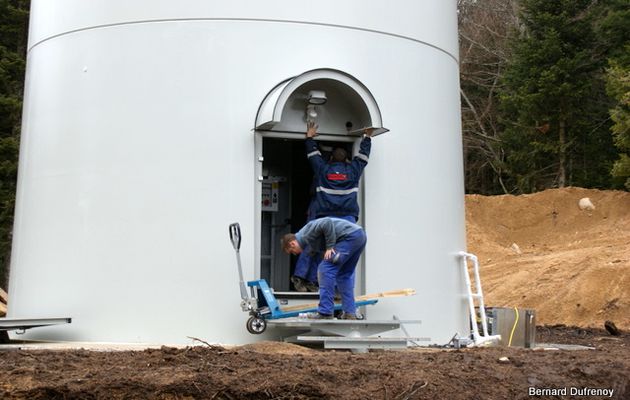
(261, 303)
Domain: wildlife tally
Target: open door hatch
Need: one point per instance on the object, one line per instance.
(345, 107)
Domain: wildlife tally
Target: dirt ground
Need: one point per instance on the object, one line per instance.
(542, 251)
(538, 251)
(285, 371)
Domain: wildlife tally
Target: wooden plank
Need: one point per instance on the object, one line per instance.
(4, 297)
(391, 293)
(3, 309)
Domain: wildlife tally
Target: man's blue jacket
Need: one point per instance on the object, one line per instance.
(338, 182)
(322, 234)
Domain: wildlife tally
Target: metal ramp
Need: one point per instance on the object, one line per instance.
(356, 335)
(22, 324)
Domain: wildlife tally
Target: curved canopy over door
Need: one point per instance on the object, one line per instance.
(348, 106)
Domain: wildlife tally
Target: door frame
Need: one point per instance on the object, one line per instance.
(259, 137)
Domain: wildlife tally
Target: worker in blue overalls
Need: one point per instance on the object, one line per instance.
(304, 277)
(338, 180)
(336, 187)
(340, 243)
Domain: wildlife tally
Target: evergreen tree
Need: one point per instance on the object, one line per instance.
(619, 89)
(614, 31)
(13, 39)
(554, 104)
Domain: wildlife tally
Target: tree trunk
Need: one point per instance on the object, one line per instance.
(562, 168)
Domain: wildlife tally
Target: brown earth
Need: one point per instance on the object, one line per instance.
(572, 268)
(286, 371)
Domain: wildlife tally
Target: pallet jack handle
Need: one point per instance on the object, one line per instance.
(235, 237)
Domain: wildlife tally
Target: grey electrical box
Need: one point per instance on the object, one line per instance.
(517, 326)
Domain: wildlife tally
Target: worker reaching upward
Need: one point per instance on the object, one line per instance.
(338, 180)
(336, 187)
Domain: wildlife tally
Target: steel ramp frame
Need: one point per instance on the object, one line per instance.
(356, 335)
(22, 324)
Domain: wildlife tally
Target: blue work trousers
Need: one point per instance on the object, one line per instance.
(339, 271)
(306, 265)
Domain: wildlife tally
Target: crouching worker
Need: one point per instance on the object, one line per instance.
(341, 242)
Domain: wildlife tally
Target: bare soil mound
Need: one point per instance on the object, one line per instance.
(543, 251)
(252, 372)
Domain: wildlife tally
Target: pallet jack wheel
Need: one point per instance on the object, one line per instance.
(256, 325)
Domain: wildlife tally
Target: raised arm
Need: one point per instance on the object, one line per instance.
(312, 150)
(360, 161)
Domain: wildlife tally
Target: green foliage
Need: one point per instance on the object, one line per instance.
(554, 104)
(613, 29)
(618, 86)
(13, 36)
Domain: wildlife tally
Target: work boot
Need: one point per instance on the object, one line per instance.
(299, 284)
(312, 287)
(346, 315)
(316, 315)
